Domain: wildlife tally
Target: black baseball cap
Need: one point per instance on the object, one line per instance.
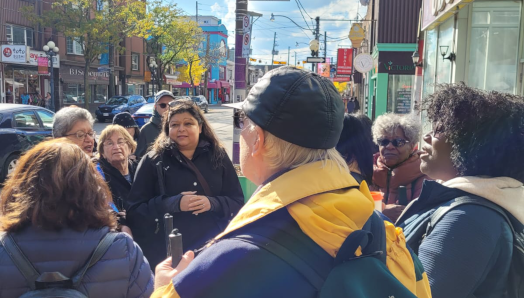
(125, 120)
(297, 106)
(163, 93)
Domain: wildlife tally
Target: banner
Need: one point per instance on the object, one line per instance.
(345, 62)
(246, 38)
(43, 64)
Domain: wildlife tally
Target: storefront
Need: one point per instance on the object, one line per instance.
(476, 42)
(136, 87)
(392, 80)
(21, 81)
(73, 91)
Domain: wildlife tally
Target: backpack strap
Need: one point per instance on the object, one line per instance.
(465, 200)
(19, 259)
(100, 250)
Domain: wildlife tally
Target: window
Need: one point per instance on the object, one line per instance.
(26, 120)
(493, 54)
(19, 35)
(47, 119)
(134, 61)
(399, 93)
(222, 74)
(74, 93)
(74, 46)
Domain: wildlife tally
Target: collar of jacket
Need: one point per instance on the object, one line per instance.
(203, 146)
(327, 203)
(108, 167)
(156, 119)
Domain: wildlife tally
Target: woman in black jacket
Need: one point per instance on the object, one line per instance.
(189, 175)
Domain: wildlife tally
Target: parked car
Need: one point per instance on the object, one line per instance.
(143, 114)
(150, 98)
(118, 104)
(201, 102)
(21, 127)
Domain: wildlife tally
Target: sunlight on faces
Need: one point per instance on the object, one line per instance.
(116, 149)
(166, 100)
(87, 144)
(184, 130)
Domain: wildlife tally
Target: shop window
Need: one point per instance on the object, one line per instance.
(493, 54)
(134, 61)
(400, 88)
(222, 74)
(19, 35)
(74, 46)
(47, 119)
(443, 72)
(74, 93)
(26, 120)
(100, 94)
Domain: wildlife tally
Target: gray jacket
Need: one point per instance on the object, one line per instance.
(148, 134)
(122, 272)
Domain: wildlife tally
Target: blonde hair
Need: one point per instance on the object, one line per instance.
(109, 131)
(280, 154)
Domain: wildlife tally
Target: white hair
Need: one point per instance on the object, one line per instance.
(388, 123)
(67, 117)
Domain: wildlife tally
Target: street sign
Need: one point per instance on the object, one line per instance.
(316, 60)
(103, 69)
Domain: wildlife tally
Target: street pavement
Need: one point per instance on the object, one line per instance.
(220, 118)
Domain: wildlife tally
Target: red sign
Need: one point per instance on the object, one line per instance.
(43, 64)
(341, 79)
(345, 62)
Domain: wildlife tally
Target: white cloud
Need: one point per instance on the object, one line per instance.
(216, 8)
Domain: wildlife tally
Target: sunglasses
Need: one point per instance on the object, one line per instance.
(396, 142)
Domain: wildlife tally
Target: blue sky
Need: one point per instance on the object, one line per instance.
(288, 34)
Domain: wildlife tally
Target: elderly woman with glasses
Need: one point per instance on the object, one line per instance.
(76, 124)
(187, 174)
(396, 168)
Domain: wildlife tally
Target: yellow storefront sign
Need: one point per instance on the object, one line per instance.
(357, 35)
(147, 76)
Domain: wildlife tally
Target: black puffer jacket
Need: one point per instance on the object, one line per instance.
(118, 184)
(122, 272)
(226, 200)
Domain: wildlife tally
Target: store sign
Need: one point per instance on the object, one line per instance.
(72, 73)
(357, 35)
(24, 56)
(341, 79)
(14, 54)
(345, 62)
(396, 63)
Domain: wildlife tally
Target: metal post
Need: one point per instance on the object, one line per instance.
(325, 44)
(273, 52)
(288, 50)
(51, 72)
(295, 59)
(111, 56)
(240, 68)
(317, 33)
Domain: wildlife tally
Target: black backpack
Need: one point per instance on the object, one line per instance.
(52, 284)
(515, 287)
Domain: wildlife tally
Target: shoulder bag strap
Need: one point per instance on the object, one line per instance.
(201, 179)
(100, 250)
(160, 173)
(464, 200)
(19, 259)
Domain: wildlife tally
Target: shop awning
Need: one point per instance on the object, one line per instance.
(171, 80)
(10, 82)
(224, 84)
(212, 85)
(183, 85)
(436, 12)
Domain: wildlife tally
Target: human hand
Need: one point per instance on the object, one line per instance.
(199, 204)
(186, 197)
(393, 211)
(164, 273)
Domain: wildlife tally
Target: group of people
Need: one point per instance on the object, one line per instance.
(35, 99)
(314, 167)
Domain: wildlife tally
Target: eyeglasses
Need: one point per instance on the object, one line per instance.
(163, 105)
(396, 142)
(179, 102)
(82, 135)
(238, 120)
(120, 144)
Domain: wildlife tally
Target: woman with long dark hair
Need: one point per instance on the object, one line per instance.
(187, 174)
(356, 146)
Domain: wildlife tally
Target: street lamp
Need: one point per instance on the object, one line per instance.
(416, 59)
(153, 66)
(51, 50)
(314, 46)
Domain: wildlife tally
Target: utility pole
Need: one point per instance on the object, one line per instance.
(325, 44)
(288, 51)
(273, 52)
(295, 59)
(111, 62)
(317, 33)
(197, 12)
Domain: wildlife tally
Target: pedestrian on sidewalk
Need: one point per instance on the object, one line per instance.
(474, 152)
(151, 129)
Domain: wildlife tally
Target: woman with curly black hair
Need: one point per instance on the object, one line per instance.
(459, 226)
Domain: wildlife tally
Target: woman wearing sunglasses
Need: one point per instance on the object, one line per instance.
(187, 174)
(396, 169)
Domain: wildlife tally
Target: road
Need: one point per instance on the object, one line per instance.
(220, 118)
